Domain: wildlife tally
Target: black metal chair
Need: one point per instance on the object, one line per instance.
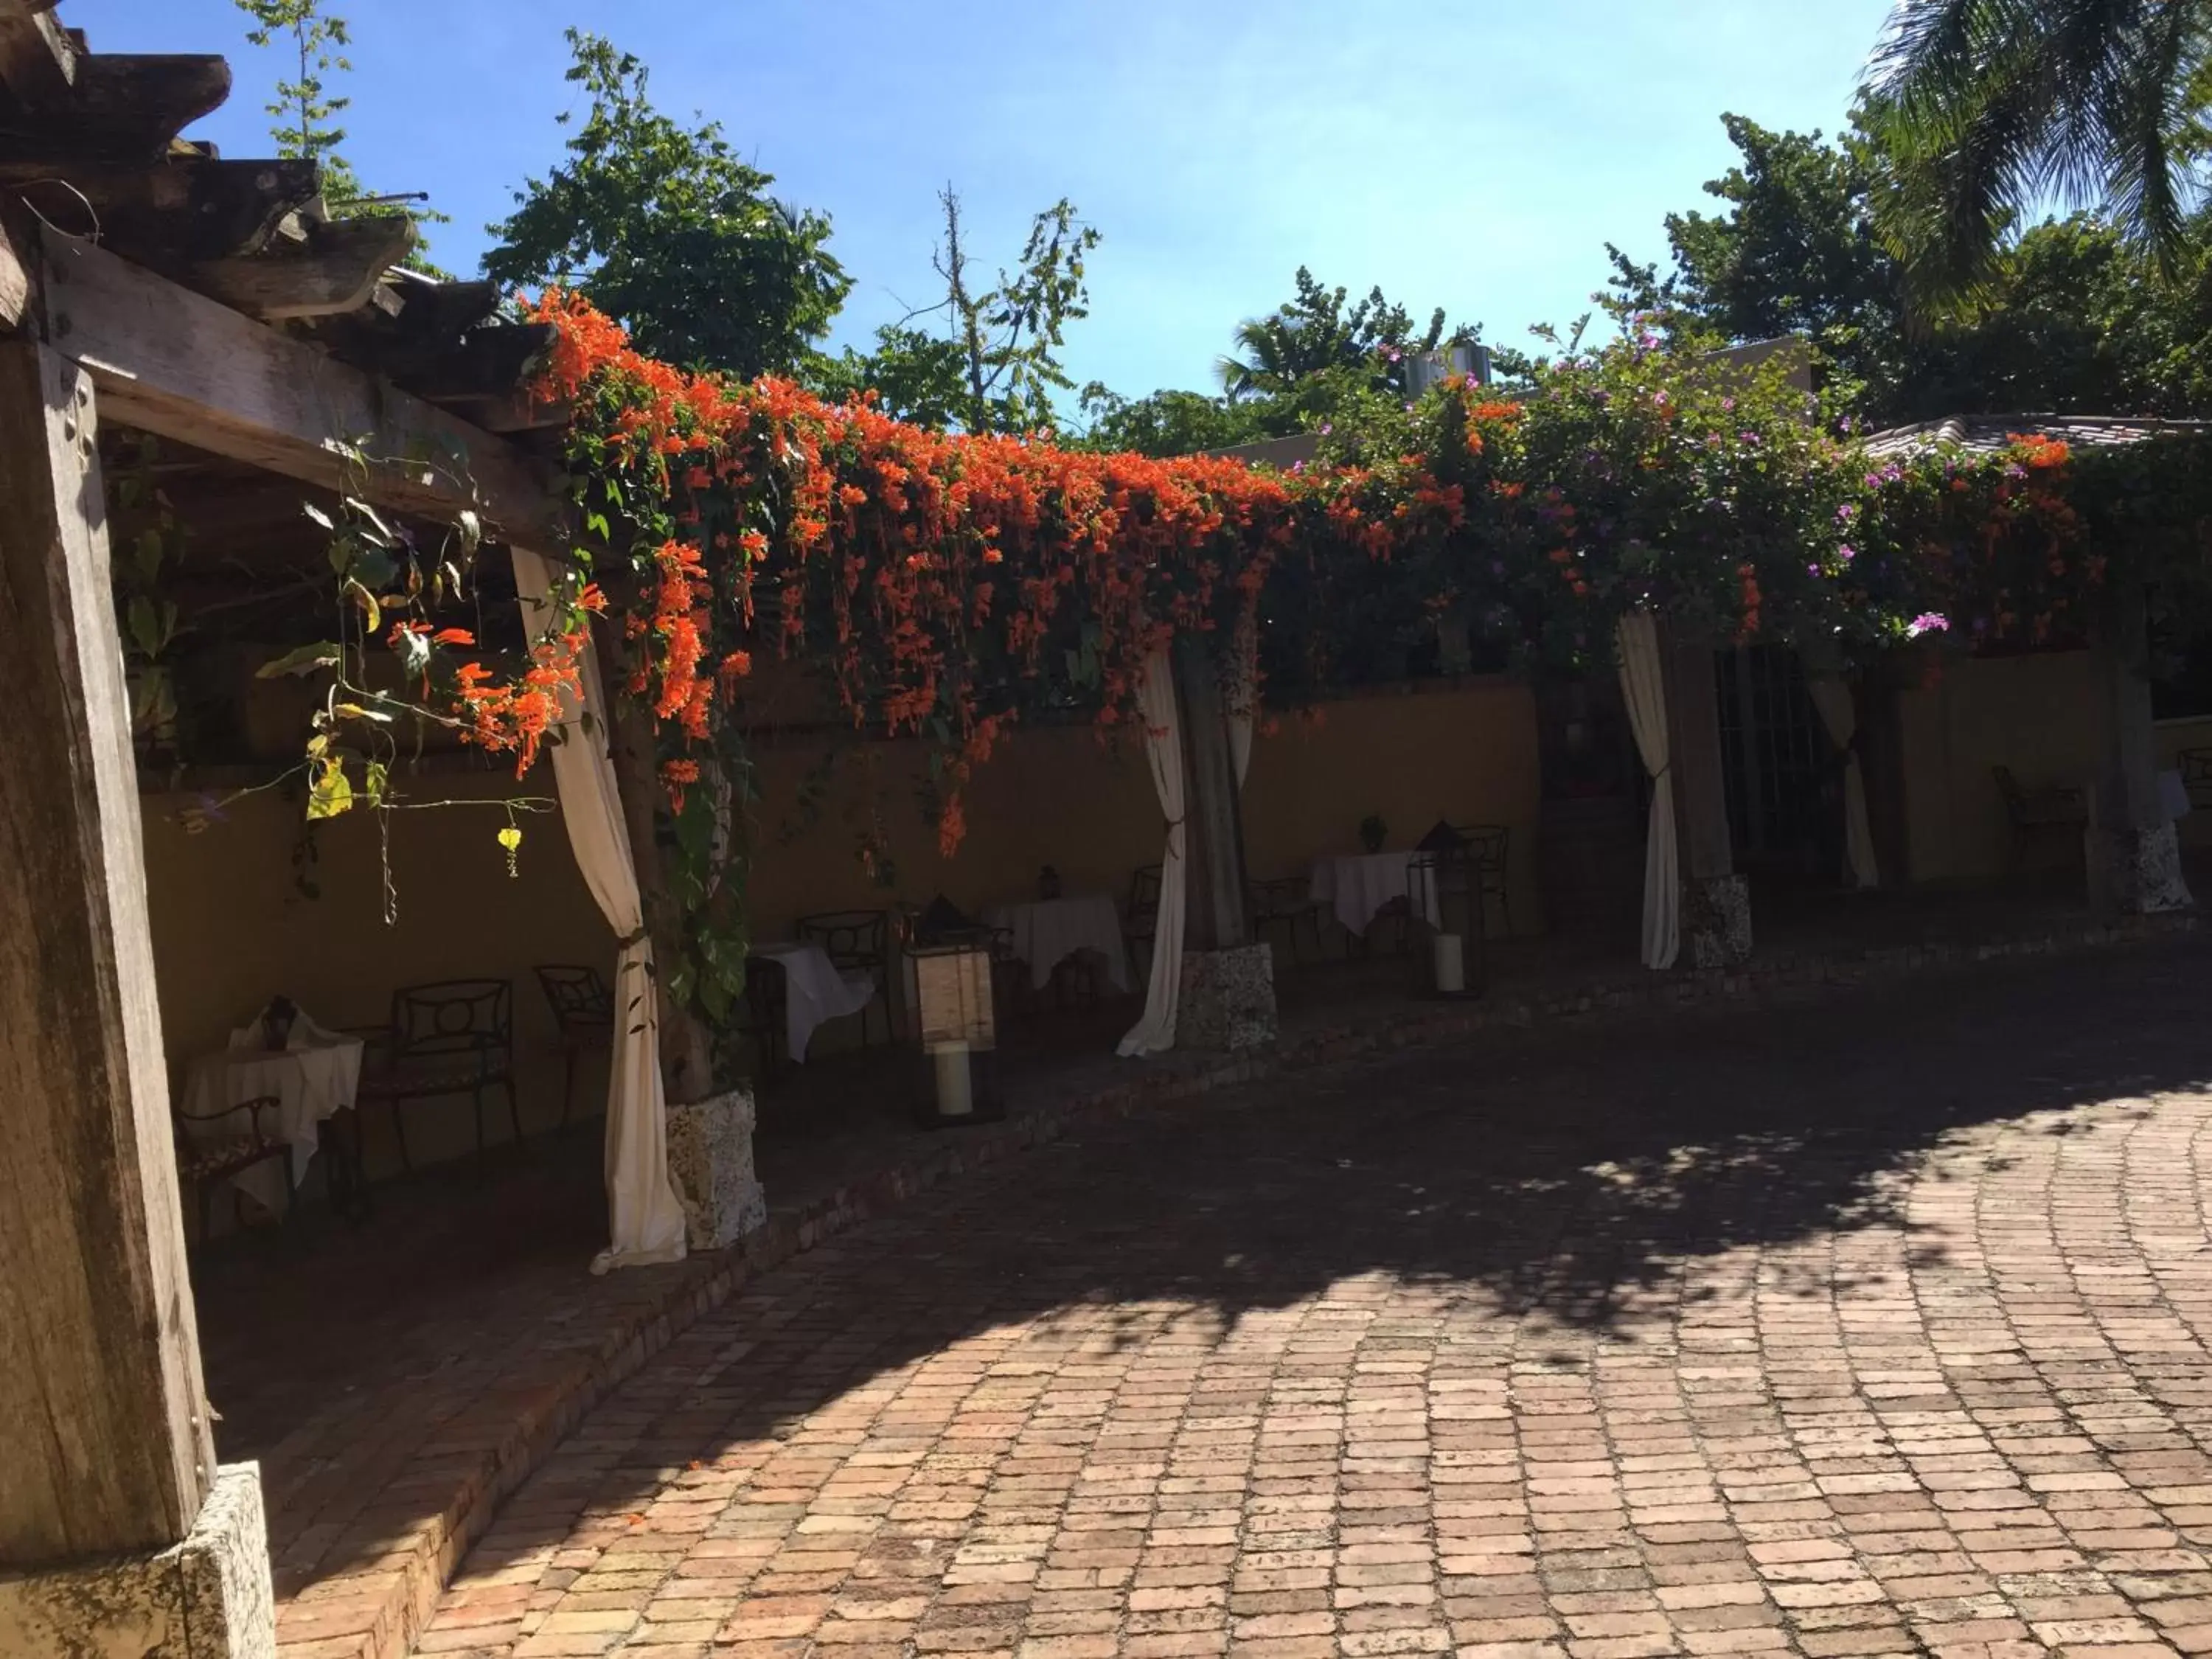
(206, 1159)
(583, 1012)
(768, 1002)
(2030, 812)
(1285, 902)
(2195, 765)
(455, 1036)
(1486, 847)
(1141, 916)
(857, 941)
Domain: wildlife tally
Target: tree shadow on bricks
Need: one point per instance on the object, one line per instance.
(1565, 1178)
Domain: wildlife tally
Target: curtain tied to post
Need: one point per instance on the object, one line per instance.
(645, 1217)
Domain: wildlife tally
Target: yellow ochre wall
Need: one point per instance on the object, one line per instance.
(2043, 716)
(231, 928)
(1058, 796)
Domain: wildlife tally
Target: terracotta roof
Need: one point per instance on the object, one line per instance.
(1985, 434)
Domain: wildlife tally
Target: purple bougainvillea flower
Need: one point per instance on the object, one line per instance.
(1927, 622)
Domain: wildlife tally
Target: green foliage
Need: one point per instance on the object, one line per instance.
(1315, 334)
(2071, 317)
(1315, 360)
(1989, 108)
(1170, 423)
(669, 232)
(916, 376)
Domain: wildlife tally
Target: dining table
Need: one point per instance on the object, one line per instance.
(316, 1075)
(817, 991)
(1357, 887)
(1045, 932)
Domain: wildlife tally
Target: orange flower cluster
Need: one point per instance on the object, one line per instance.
(916, 557)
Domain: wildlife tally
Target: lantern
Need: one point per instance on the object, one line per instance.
(952, 1004)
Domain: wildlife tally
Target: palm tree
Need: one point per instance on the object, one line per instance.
(1989, 109)
(1270, 363)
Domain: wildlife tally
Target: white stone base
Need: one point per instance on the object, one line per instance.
(710, 1156)
(206, 1598)
(1227, 998)
(2136, 872)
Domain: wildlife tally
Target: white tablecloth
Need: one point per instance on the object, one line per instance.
(1047, 931)
(2173, 795)
(317, 1075)
(817, 992)
(1357, 886)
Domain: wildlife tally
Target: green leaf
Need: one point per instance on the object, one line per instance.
(145, 626)
(372, 789)
(372, 613)
(331, 794)
(318, 515)
(304, 659)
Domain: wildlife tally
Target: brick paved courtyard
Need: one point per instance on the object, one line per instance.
(1875, 1325)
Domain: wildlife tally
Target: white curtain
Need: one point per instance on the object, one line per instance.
(1831, 697)
(647, 1220)
(1156, 703)
(1643, 688)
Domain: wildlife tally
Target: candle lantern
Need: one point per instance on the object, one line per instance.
(952, 979)
(1443, 885)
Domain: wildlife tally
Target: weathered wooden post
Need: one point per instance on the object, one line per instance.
(118, 1534)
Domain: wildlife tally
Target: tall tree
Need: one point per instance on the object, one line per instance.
(1989, 108)
(666, 229)
(2070, 317)
(1314, 331)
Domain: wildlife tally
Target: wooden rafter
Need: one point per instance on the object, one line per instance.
(175, 363)
(331, 267)
(113, 107)
(37, 59)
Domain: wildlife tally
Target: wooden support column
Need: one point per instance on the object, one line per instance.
(1213, 827)
(1715, 903)
(105, 1447)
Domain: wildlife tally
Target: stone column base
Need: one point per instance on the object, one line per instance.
(1227, 998)
(710, 1157)
(1716, 921)
(206, 1598)
(2136, 872)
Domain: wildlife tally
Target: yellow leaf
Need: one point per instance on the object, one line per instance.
(510, 837)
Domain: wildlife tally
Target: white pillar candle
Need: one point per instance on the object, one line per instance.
(955, 1094)
(1451, 962)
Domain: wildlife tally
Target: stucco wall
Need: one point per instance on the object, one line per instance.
(1058, 796)
(231, 929)
(2042, 716)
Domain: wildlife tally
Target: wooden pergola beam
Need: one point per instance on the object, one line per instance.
(176, 364)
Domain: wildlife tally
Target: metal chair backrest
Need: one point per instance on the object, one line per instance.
(1484, 845)
(578, 996)
(249, 1113)
(850, 938)
(1144, 895)
(453, 1017)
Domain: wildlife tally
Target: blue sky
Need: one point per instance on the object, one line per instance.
(1473, 153)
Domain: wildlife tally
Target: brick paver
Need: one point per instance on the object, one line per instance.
(1873, 1328)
